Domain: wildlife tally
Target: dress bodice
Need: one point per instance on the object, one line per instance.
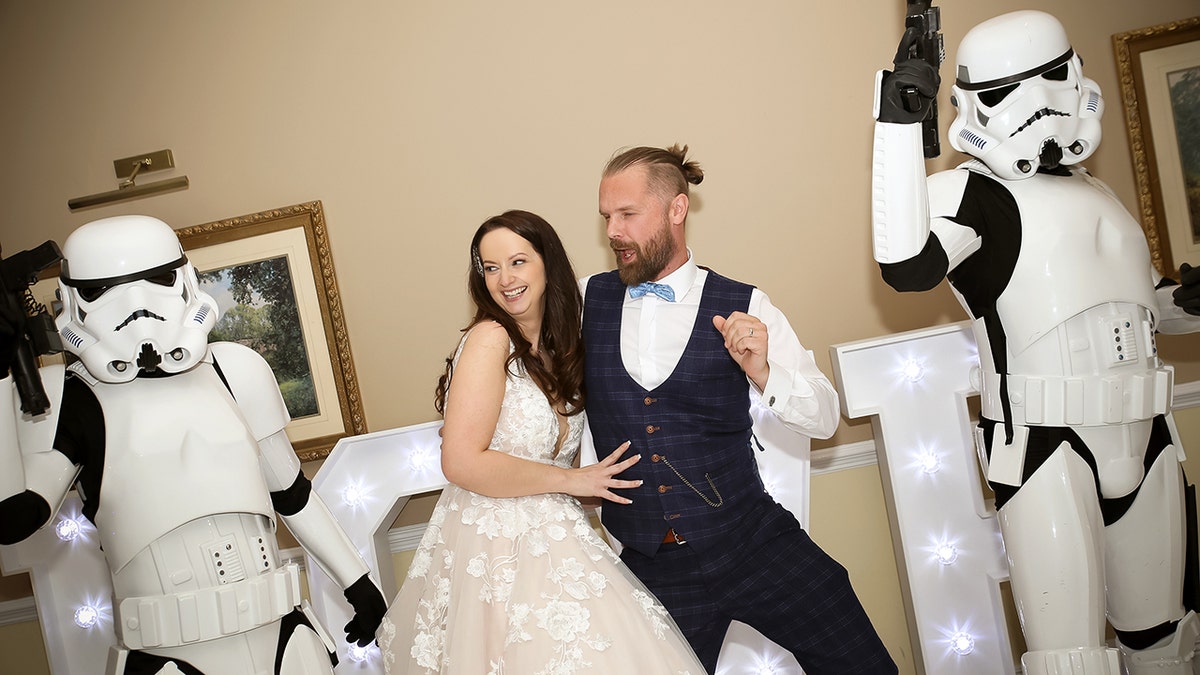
(528, 427)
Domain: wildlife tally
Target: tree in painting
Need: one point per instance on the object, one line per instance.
(264, 316)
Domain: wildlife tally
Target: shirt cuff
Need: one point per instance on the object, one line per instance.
(781, 386)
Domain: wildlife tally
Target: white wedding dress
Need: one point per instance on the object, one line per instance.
(524, 585)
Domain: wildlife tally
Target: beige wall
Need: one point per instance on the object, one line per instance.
(413, 121)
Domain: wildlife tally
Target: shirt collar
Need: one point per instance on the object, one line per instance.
(681, 280)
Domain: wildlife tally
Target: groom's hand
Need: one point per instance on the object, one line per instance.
(746, 340)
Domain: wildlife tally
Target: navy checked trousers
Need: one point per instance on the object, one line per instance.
(770, 575)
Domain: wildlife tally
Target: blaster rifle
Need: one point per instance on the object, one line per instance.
(927, 20)
(38, 336)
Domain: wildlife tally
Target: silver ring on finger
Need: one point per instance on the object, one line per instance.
(751, 333)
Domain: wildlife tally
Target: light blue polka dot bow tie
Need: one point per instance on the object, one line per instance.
(661, 290)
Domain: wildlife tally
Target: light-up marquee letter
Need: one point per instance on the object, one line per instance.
(72, 588)
(950, 556)
(366, 481)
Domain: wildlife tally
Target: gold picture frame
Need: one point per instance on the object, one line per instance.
(298, 234)
(1144, 56)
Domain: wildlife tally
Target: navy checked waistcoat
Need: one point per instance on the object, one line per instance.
(698, 420)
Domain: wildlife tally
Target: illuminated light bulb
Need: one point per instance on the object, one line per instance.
(68, 529)
(962, 644)
(767, 663)
(769, 483)
(420, 459)
(86, 616)
(929, 462)
(946, 553)
(353, 495)
(756, 403)
(359, 654)
(912, 370)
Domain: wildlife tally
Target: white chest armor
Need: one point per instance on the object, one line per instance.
(176, 449)
(1079, 248)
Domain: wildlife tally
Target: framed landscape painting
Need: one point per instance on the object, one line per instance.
(1159, 72)
(272, 276)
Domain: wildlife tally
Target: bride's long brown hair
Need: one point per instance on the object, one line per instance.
(558, 368)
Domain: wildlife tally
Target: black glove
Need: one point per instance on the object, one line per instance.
(909, 91)
(1187, 296)
(12, 326)
(369, 607)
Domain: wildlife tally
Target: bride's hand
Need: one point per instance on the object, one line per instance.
(596, 480)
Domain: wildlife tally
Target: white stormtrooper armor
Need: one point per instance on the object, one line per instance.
(184, 472)
(1076, 436)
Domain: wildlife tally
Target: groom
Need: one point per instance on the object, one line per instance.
(668, 366)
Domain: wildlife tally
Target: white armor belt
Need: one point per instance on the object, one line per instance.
(195, 616)
(1089, 400)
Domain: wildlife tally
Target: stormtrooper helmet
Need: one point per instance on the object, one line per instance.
(131, 300)
(1022, 99)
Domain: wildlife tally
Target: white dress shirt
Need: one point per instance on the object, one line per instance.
(654, 333)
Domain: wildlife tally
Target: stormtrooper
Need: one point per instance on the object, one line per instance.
(1075, 434)
(178, 452)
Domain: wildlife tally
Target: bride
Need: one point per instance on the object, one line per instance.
(510, 577)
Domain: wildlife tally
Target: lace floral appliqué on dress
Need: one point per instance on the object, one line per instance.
(524, 585)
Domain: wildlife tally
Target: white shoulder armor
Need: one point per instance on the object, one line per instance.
(253, 386)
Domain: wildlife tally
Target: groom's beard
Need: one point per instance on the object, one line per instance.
(649, 262)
